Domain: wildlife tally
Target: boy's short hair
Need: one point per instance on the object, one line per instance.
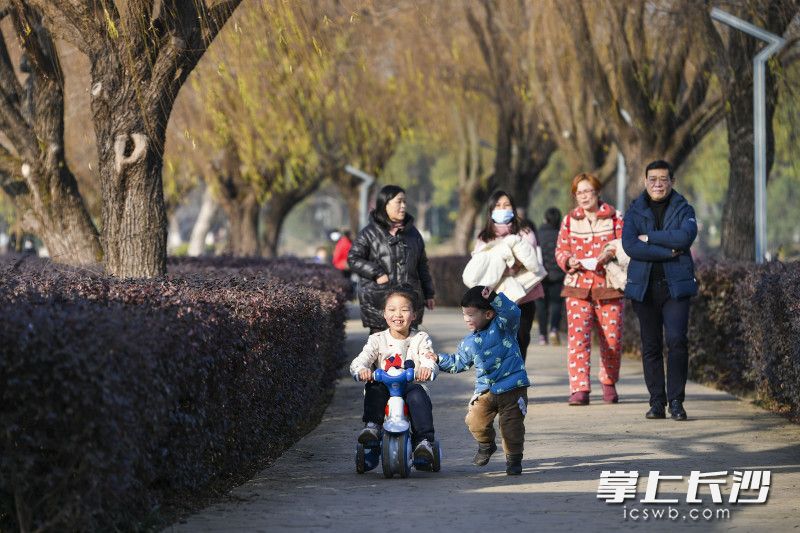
(474, 298)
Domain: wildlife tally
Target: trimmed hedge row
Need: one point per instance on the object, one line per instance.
(744, 329)
(119, 395)
(768, 300)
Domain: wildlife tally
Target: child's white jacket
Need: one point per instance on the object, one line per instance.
(382, 345)
(488, 266)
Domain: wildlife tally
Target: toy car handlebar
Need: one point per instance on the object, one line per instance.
(406, 375)
(383, 377)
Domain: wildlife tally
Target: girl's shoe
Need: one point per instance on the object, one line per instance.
(514, 464)
(579, 398)
(610, 394)
(370, 433)
(424, 451)
(542, 340)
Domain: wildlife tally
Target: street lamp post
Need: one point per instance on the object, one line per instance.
(774, 43)
(621, 181)
(367, 180)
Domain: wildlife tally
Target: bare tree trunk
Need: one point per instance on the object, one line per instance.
(738, 211)
(473, 186)
(738, 223)
(140, 57)
(134, 214)
(36, 177)
(465, 223)
(237, 197)
(59, 218)
(503, 172)
(279, 206)
(636, 159)
(350, 188)
(197, 241)
(243, 226)
(533, 154)
(421, 219)
(174, 240)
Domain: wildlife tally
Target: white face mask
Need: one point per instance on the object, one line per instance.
(502, 216)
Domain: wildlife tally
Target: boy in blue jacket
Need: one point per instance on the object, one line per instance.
(501, 383)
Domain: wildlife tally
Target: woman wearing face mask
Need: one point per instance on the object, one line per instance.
(589, 239)
(389, 251)
(501, 220)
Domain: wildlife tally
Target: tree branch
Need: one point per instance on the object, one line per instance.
(9, 84)
(14, 125)
(189, 28)
(8, 167)
(696, 93)
(83, 24)
(486, 52)
(686, 136)
(37, 43)
(629, 76)
(135, 22)
(573, 14)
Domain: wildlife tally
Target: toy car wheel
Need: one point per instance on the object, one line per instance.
(404, 459)
(387, 453)
(436, 465)
(360, 459)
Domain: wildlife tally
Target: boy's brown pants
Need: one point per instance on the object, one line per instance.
(481, 413)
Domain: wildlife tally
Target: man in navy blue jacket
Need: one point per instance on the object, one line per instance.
(658, 231)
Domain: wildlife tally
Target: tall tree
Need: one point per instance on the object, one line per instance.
(448, 97)
(523, 143)
(652, 85)
(566, 102)
(33, 170)
(141, 53)
(287, 99)
(733, 53)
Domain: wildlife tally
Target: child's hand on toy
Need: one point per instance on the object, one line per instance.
(364, 375)
(423, 373)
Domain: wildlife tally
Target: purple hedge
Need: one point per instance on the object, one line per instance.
(119, 395)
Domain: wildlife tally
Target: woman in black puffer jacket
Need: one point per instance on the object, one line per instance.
(389, 251)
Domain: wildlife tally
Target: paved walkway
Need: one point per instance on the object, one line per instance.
(314, 486)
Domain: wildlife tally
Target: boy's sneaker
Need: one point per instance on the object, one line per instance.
(485, 451)
(370, 433)
(424, 451)
(514, 464)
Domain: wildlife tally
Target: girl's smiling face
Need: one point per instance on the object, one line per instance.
(399, 315)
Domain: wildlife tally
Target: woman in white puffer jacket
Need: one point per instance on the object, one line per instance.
(502, 220)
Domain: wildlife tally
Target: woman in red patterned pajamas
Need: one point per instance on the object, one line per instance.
(584, 247)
